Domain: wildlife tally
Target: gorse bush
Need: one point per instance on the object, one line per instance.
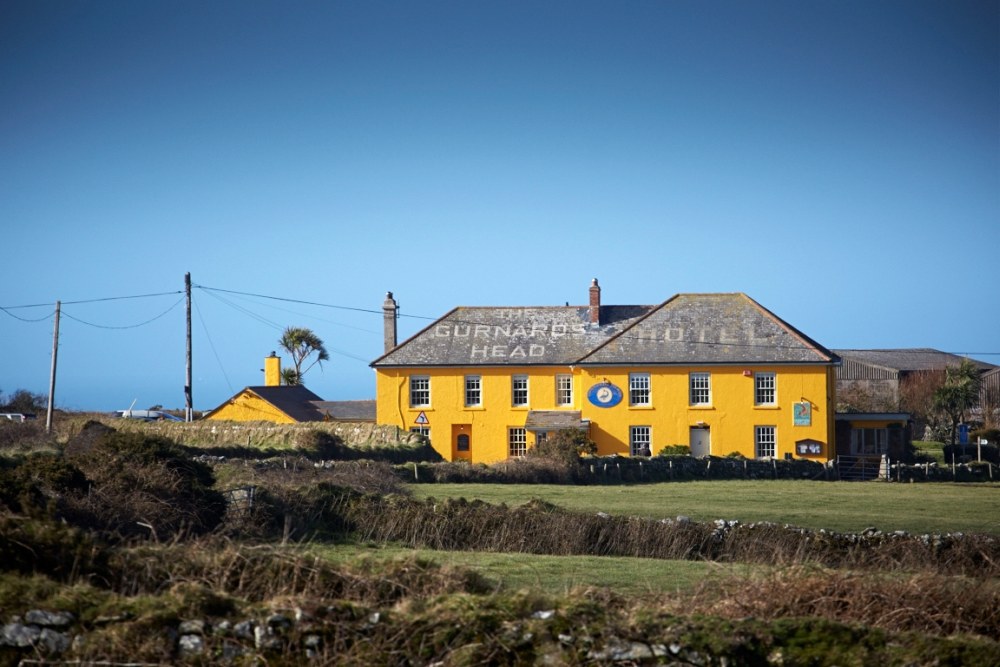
(137, 486)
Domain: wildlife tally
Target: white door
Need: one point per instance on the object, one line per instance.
(700, 445)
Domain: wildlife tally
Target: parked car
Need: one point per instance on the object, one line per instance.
(13, 416)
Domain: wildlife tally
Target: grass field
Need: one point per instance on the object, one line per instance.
(839, 506)
(930, 449)
(556, 574)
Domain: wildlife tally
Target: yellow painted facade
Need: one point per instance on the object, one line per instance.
(717, 372)
(248, 406)
(730, 419)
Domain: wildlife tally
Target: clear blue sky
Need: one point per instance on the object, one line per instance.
(837, 161)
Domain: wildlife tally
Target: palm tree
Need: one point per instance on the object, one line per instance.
(959, 393)
(301, 343)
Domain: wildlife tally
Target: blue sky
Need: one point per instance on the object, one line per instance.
(837, 161)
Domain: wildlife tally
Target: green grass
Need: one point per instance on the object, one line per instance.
(930, 449)
(839, 506)
(556, 574)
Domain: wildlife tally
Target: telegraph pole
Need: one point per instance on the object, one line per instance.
(189, 401)
(52, 373)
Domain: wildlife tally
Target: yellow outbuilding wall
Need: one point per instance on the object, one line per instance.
(248, 406)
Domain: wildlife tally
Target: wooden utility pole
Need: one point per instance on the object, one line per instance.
(52, 373)
(189, 401)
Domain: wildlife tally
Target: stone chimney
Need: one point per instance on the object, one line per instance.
(595, 303)
(272, 370)
(390, 313)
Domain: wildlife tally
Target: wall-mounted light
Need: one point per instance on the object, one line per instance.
(747, 373)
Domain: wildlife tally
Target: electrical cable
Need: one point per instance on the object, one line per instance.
(215, 352)
(26, 319)
(128, 326)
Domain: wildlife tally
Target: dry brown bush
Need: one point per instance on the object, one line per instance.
(925, 602)
(143, 486)
(264, 573)
(543, 529)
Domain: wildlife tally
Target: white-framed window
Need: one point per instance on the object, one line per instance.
(541, 437)
(420, 391)
(422, 430)
(519, 390)
(869, 441)
(765, 442)
(640, 440)
(764, 389)
(517, 442)
(473, 391)
(564, 390)
(638, 389)
(701, 388)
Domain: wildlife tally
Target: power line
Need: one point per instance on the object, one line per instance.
(26, 319)
(128, 326)
(277, 326)
(288, 300)
(106, 298)
(308, 315)
(217, 291)
(218, 360)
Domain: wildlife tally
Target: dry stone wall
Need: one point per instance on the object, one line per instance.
(260, 434)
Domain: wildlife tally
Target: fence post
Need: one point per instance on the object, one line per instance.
(671, 466)
(416, 472)
(744, 468)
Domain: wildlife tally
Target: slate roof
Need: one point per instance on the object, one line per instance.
(295, 401)
(710, 329)
(686, 329)
(514, 336)
(348, 411)
(909, 360)
(552, 420)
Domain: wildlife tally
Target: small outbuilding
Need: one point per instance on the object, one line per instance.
(284, 404)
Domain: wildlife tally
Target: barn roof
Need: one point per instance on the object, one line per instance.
(910, 359)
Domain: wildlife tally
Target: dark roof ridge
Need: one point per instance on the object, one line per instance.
(618, 335)
(806, 340)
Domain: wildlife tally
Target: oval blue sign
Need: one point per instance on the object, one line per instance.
(604, 395)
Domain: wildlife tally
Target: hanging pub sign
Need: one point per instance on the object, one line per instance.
(802, 413)
(604, 395)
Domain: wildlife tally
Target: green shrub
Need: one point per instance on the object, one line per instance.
(567, 445)
(146, 486)
(38, 485)
(675, 450)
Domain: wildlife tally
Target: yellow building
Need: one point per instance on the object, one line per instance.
(282, 404)
(717, 372)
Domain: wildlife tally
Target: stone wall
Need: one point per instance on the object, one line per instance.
(256, 434)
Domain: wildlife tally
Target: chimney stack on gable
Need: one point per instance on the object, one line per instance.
(390, 313)
(595, 303)
(272, 370)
